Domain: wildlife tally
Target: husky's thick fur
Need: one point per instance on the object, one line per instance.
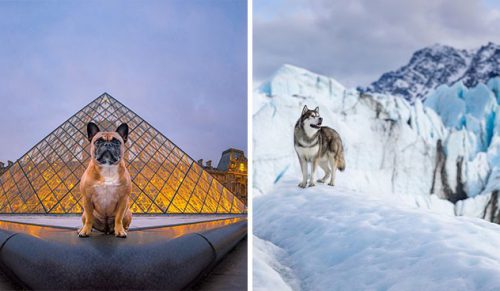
(318, 145)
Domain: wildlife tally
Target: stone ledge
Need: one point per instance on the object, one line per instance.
(168, 258)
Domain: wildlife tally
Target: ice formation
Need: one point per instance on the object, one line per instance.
(443, 154)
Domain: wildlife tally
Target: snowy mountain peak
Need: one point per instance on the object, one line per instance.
(436, 65)
(439, 49)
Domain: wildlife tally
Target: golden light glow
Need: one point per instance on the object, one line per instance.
(164, 179)
(168, 231)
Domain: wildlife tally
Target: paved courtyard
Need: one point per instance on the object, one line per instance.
(230, 274)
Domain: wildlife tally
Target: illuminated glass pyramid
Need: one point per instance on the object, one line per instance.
(164, 178)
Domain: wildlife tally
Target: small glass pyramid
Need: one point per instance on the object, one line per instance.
(164, 178)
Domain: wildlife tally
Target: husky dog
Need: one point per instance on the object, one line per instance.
(317, 144)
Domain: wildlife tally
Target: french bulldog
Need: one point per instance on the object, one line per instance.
(105, 184)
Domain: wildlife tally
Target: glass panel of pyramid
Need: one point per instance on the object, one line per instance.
(164, 178)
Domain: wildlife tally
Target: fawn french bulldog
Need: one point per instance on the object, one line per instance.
(105, 185)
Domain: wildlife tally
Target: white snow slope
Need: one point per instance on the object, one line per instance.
(337, 239)
(366, 233)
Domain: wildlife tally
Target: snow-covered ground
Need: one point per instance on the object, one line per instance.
(270, 267)
(338, 239)
(396, 218)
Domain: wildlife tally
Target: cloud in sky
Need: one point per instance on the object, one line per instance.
(355, 41)
(181, 65)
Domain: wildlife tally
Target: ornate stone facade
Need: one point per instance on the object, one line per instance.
(232, 172)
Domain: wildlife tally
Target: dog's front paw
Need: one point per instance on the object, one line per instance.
(303, 185)
(331, 184)
(84, 232)
(312, 184)
(122, 233)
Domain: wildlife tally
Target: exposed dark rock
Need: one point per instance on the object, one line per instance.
(449, 194)
(492, 209)
(460, 193)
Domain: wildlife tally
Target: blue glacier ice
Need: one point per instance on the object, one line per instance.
(472, 109)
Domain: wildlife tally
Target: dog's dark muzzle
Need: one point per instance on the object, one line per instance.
(107, 153)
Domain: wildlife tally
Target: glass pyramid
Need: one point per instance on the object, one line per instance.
(164, 178)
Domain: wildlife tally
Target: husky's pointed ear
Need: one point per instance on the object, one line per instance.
(92, 130)
(316, 109)
(304, 110)
(123, 131)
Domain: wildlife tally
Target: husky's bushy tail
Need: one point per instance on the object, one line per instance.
(335, 146)
(340, 160)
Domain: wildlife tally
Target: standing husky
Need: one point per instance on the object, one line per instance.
(319, 145)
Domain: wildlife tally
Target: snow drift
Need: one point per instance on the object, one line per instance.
(327, 238)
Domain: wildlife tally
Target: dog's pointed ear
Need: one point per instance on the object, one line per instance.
(316, 109)
(123, 131)
(304, 110)
(92, 130)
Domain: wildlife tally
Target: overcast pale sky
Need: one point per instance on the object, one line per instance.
(355, 41)
(181, 65)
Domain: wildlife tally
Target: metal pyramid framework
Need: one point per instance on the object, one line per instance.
(164, 178)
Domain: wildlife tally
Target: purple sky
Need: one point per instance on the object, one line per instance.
(181, 65)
